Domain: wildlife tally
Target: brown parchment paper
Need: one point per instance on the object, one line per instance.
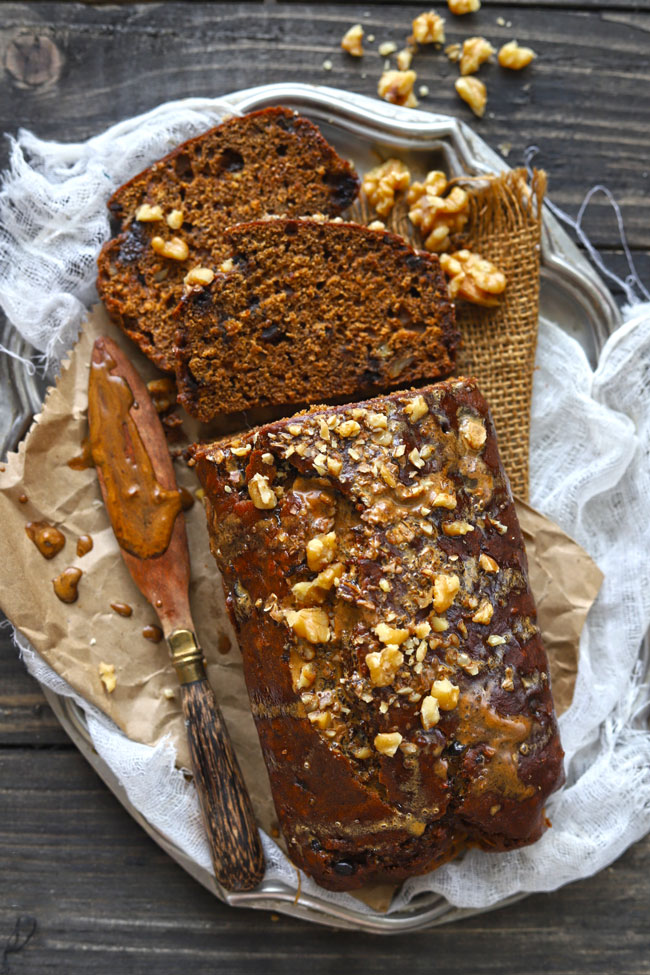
(75, 638)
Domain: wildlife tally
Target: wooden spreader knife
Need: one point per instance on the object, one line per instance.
(139, 488)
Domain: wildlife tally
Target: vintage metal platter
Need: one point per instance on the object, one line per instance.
(364, 130)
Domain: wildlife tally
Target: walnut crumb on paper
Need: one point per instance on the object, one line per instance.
(107, 677)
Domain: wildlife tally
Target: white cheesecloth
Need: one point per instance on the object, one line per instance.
(590, 473)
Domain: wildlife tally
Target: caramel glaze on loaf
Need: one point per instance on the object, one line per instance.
(311, 310)
(271, 161)
(376, 574)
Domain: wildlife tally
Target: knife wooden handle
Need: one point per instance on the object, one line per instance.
(227, 812)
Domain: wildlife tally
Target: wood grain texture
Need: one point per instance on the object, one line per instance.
(126, 907)
(227, 811)
(106, 899)
(585, 101)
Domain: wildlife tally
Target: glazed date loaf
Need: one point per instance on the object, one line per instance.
(376, 574)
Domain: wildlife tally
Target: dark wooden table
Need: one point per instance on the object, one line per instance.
(104, 897)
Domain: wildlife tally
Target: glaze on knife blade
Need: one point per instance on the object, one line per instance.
(141, 510)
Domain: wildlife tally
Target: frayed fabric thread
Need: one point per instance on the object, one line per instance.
(632, 286)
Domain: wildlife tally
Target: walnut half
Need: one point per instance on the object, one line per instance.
(437, 216)
(396, 87)
(473, 278)
(514, 57)
(382, 183)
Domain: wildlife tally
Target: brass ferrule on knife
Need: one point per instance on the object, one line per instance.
(187, 656)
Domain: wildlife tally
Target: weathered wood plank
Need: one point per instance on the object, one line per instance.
(106, 899)
(25, 716)
(585, 101)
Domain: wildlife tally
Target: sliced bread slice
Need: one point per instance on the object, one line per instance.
(307, 310)
(171, 218)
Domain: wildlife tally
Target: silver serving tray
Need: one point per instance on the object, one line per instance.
(572, 293)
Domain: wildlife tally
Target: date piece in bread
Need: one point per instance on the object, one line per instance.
(376, 573)
(271, 161)
(311, 310)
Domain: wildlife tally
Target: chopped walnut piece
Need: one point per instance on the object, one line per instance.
(261, 493)
(383, 665)
(311, 624)
(454, 528)
(453, 52)
(107, 676)
(476, 51)
(377, 225)
(334, 465)
(242, 451)
(382, 183)
(388, 744)
(396, 87)
(487, 563)
(473, 278)
(514, 57)
(494, 640)
(414, 457)
(444, 500)
(362, 752)
(429, 28)
(507, 683)
(149, 214)
(422, 629)
(322, 719)
(460, 7)
(306, 677)
(416, 408)
(387, 48)
(474, 92)
(472, 431)
(429, 712)
(438, 624)
(175, 249)
(470, 666)
(437, 216)
(377, 421)
(445, 588)
(175, 219)
(199, 276)
(484, 613)
(316, 590)
(321, 551)
(445, 693)
(349, 428)
(352, 41)
(404, 58)
(389, 634)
